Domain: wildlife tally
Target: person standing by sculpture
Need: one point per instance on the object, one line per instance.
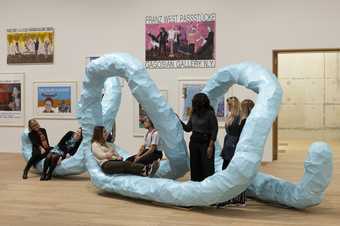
(204, 127)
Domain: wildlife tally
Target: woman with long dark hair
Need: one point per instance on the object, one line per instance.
(66, 147)
(204, 127)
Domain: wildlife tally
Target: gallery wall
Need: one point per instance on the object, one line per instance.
(245, 30)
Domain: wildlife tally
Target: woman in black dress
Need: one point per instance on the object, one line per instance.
(40, 145)
(66, 147)
(204, 127)
(233, 130)
(235, 122)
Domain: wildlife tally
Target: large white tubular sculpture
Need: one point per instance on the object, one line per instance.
(242, 172)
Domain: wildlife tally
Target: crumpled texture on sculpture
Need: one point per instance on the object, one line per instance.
(219, 187)
(308, 192)
(72, 166)
(318, 165)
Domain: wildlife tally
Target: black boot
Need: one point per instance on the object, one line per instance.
(24, 175)
(43, 176)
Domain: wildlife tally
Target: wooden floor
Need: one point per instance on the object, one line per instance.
(74, 201)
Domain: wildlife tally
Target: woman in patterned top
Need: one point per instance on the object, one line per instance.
(66, 147)
(40, 145)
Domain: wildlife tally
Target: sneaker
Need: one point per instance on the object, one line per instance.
(42, 177)
(154, 167)
(242, 205)
(146, 170)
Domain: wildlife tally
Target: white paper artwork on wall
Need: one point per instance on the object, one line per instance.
(12, 109)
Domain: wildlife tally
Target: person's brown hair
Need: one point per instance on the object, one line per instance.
(246, 106)
(98, 135)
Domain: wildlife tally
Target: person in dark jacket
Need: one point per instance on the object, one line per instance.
(40, 145)
(66, 147)
(204, 127)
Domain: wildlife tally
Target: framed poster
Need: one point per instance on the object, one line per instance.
(30, 45)
(12, 99)
(188, 87)
(54, 99)
(139, 114)
(180, 41)
(90, 58)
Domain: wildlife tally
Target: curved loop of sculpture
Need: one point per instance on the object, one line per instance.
(242, 172)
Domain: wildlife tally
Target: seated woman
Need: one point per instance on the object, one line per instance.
(149, 153)
(66, 147)
(40, 145)
(109, 160)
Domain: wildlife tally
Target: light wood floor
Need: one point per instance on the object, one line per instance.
(74, 201)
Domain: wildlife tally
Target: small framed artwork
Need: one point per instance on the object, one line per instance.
(139, 115)
(91, 58)
(188, 87)
(12, 99)
(30, 45)
(55, 99)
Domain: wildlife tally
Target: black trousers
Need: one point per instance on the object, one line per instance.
(35, 158)
(201, 166)
(148, 158)
(115, 166)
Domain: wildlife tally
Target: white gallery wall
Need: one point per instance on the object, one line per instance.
(245, 30)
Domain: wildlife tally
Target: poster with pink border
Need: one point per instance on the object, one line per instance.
(180, 41)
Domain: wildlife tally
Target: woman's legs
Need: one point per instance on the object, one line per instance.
(114, 167)
(208, 168)
(54, 162)
(47, 164)
(195, 161)
(150, 158)
(35, 158)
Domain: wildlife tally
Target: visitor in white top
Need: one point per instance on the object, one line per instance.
(149, 153)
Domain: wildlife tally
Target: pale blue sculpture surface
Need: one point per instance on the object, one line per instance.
(242, 172)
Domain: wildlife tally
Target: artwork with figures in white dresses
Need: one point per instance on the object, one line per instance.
(30, 45)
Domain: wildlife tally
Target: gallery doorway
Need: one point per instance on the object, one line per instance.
(310, 109)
